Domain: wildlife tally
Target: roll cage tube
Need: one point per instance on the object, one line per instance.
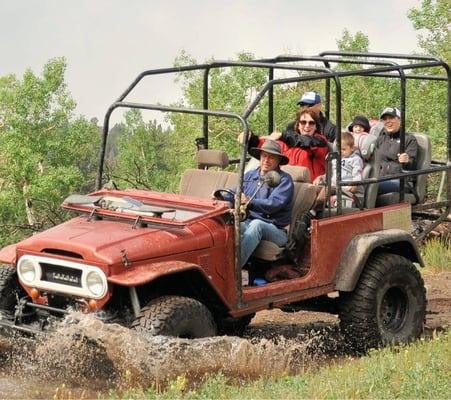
(401, 75)
(436, 62)
(382, 69)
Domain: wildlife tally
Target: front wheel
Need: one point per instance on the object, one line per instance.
(175, 316)
(10, 290)
(387, 306)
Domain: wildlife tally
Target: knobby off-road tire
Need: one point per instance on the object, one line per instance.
(175, 316)
(387, 306)
(9, 289)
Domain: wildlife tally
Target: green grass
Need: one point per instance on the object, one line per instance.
(421, 370)
(436, 254)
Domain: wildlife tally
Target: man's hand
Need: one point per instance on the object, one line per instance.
(244, 198)
(403, 158)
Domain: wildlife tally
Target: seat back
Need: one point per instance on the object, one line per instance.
(371, 170)
(203, 182)
(305, 193)
(423, 161)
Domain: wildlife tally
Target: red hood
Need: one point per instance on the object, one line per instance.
(103, 241)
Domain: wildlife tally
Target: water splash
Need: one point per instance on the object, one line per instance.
(83, 352)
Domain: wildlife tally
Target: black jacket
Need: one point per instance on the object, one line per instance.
(388, 149)
(328, 128)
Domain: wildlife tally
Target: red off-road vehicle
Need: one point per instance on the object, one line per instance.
(169, 263)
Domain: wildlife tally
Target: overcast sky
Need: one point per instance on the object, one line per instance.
(108, 42)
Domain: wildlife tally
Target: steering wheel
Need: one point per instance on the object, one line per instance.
(219, 193)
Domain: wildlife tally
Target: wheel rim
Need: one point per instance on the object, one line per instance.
(393, 309)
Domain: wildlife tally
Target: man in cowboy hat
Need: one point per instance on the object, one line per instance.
(270, 208)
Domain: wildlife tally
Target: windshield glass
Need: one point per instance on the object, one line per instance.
(129, 205)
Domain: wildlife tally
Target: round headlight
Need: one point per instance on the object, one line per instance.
(95, 283)
(27, 271)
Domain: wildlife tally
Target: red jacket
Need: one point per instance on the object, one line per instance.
(314, 157)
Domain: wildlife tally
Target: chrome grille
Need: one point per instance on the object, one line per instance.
(62, 275)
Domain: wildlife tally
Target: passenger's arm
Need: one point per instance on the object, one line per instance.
(294, 139)
(412, 153)
(357, 169)
(254, 140)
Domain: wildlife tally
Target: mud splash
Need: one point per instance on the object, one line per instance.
(89, 357)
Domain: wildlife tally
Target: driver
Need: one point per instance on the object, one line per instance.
(269, 207)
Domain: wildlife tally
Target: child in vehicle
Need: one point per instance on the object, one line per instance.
(351, 170)
(359, 128)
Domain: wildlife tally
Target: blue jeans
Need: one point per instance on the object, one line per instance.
(388, 186)
(255, 230)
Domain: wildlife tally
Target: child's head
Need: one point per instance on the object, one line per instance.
(347, 144)
(359, 124)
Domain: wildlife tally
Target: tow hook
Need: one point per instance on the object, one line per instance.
(19, 311)
(125, 260)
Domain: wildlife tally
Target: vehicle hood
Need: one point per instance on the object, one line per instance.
(109, 241)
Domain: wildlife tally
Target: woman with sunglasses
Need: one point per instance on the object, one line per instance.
(305, 146)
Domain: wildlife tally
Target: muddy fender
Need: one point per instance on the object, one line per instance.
(8, 255)
(359, 249)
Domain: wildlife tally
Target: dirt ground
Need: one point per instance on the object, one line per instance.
(272, 323)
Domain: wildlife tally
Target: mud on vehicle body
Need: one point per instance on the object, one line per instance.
(169, 263)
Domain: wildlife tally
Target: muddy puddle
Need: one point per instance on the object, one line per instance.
(86, 358)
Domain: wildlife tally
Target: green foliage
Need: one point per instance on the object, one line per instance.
(357, 42)
(146, 155)
(230, 89)
(437, 255)
(45, 154)
(433, 19)
(421, 370)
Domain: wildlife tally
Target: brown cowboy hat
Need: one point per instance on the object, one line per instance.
(271, 147)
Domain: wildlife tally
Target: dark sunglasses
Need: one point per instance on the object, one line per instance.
(303, 122)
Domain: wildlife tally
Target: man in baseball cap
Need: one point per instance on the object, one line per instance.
(392, 161)
(309, 99)
(392, 112)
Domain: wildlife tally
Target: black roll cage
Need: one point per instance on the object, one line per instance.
(378, 65)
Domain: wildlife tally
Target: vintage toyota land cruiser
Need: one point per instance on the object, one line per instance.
(169, 263)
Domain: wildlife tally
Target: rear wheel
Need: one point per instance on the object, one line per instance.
(176, 316)
(387, 306)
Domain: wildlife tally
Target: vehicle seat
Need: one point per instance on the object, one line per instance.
(305, 195)
(202, 182)
(370, 170)
(376, 129)
(423, 161)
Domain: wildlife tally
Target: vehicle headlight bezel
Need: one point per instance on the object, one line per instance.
(96, 283)
(28, 271)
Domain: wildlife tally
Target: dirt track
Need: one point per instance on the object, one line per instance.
(273, 323)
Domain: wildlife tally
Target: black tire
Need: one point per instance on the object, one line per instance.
(175, 316)
(9, 289)
(387, 306)
(234, 326)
